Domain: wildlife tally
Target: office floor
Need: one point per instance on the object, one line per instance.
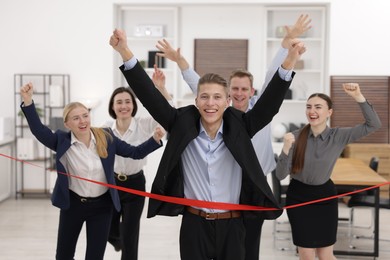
(28, 230)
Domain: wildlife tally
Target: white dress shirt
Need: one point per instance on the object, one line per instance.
(140, 130)
(83, 161)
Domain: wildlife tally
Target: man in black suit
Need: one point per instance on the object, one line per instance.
(209, 156)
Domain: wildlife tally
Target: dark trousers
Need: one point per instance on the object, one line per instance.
(96, 213)
(127, 231)
(253, 228)
(202, 239)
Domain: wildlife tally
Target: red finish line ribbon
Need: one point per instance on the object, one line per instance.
(201, 203)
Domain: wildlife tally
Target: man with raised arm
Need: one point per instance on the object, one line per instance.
(209, 156)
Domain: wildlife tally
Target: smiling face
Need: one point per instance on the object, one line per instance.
(317, 112)
(77, 120)
(123, 106)
(212, 100)
(241, 91)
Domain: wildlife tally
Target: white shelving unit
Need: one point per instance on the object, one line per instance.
(7, 167)
(35, 161)
(313, 76)
(144, 26)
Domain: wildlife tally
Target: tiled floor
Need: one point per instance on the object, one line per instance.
(28, 230)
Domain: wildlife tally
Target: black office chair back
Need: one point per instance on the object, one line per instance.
(374, 163)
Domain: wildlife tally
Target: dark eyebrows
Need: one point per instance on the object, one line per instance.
(315, 105)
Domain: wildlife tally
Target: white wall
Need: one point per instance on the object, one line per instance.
(196, 18)
(358, 37)
(54, 36)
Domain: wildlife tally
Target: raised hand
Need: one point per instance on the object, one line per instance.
(167, 51)
(158, 77)
(159, 133)
(301, 26)
(26, 93)
(118, 41)
(288, 141)
(294, 54)
(353, 89)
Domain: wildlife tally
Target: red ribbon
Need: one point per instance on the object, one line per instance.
(201, 203)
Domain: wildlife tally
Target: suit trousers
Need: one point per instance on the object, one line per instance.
(253, 228)
(96, 213)
(125, 225)
(202, 239)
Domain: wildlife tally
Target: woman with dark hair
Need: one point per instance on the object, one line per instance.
(125, 225)
(84, 152)
(308, 156)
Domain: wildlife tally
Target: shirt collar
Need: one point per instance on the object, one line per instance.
(202, 130)
(131, 126)
(73, 138)
(324, 133)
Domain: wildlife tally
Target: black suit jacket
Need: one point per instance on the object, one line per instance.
(183, 124)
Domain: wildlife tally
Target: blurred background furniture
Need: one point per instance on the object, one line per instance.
(367, 200)
(359, 199)
(353, 174)
(282, 229)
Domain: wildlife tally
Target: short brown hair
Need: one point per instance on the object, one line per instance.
(213, 78)
(241, 73)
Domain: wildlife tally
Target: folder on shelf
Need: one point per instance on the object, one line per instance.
(154, 59)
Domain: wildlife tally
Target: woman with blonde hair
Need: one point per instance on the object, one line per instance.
(85, 152)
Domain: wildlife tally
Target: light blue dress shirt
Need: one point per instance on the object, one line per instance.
(262, 141)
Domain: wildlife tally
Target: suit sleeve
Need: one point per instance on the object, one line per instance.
(136, 152)
(44, 134)
(150, 97)
(267, 106)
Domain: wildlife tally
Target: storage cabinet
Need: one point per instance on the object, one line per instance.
(6, 168)
(51, 94)
(312, 71)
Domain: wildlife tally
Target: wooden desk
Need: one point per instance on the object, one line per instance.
(353, 174)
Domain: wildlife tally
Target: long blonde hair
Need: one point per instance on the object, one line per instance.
(101, 135)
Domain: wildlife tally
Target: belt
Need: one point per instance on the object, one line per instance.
(124, 177)
(88, 199)
(214, 216)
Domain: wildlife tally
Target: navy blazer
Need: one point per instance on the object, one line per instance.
(60, 143)
(183, 126)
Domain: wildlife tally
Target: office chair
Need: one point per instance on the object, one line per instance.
(361, 199)
(367, 199)
(279, 191)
